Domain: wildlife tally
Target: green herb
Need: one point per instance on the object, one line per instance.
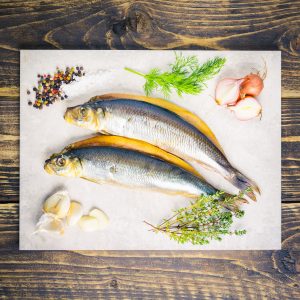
(208, 218)
(186, 76)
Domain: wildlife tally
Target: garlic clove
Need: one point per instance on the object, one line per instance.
(247, 108)
(101, 217)
(228, 91)
(75, 213)
(89, 223)
(58, 204)
(50, 223)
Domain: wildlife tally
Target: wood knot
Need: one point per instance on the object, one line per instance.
(290, 41)
(139, 21)
(287, 262)
(114, 284)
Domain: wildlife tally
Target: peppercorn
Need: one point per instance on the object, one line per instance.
(49, 86)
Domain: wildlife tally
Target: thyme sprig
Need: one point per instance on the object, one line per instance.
(186, 76)
(208, 218)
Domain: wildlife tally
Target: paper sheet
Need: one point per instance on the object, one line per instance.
(254, 147)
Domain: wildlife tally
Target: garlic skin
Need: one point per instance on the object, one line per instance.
(58, 204)
(51, 224)
(89, 224)
(247, 108)
(228, 91)
(75, 213)
(101, 216)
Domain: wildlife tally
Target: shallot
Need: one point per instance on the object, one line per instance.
(247, 108)
(252, 85)
(228, 91)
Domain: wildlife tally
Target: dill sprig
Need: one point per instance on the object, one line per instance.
(186, 76)
(208, 218)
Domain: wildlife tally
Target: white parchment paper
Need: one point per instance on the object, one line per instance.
(254, 147)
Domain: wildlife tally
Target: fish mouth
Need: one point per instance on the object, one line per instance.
(68, 115)
(47, 167)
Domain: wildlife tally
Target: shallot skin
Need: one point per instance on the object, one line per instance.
(252, 85)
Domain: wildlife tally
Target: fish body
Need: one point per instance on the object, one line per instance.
(127, 168)
(158, 126)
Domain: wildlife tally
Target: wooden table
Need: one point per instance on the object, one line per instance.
(149, 24)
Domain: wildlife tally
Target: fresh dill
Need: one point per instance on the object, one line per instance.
(186, 76)
(208, 218)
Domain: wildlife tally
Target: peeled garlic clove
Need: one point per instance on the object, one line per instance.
(101, 217)
(75, 213)
(50, 223)
(89, 223)
(58, 204)
(228, 91)
(246, 109)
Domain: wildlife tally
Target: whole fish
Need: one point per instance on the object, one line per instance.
(157, 125)
(128, 168)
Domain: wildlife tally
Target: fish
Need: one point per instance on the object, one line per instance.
(128, 168)
(164, 125)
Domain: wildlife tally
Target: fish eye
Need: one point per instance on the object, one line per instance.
(60, 161)
(83, 111)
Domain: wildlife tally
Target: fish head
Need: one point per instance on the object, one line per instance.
(65, 164)
(84, 116)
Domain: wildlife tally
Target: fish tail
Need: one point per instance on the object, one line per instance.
(244, 184)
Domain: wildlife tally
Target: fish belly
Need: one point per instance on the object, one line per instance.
(136, 170)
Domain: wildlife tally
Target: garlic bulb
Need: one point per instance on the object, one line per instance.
(75, 213)
(58, 204)
(247, 108)
(228, 91)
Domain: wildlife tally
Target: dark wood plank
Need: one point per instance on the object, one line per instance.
(150, 274)
(9, 142)
(150, 24)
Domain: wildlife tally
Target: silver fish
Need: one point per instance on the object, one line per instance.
(128, 168)
(158, 126)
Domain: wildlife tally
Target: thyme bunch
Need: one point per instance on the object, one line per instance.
(208, 218)
(186, 76)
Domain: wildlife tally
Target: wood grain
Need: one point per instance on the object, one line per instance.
(150, 274)
(145, 24)
(155, 24)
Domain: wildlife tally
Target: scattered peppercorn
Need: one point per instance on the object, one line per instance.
(49, 88)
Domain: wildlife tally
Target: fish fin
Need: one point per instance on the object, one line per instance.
(244, 184)
(180, 111)
(94, 181)
(137, 145)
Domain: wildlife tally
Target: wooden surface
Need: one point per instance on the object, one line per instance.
(164, 24)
